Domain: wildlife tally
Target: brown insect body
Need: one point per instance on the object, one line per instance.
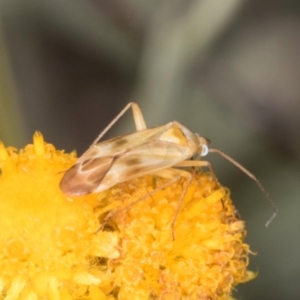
(130, 156)
(147, 151)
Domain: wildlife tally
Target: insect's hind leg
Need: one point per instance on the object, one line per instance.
(137, 116)
(176, 175)
(114, 213)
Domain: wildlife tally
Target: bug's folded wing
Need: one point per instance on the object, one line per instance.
(84, 177)
(122, 144)
(147, 159)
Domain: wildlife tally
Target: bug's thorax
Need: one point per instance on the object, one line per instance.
(181, 135)
(177, 134)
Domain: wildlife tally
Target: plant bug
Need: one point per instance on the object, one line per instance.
(156, 151)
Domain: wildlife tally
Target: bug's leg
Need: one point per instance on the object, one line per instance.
(174, 175)
(189, 176)
(137, 115)
(167, 175)
(198, 163)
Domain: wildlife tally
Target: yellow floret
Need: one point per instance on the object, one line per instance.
(52, 247)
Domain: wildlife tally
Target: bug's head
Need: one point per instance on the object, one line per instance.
(203, 143)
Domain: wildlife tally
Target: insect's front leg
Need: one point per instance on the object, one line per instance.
(189, 176)
(198, 164)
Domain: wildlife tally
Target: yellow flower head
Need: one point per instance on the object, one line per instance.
(52, 247)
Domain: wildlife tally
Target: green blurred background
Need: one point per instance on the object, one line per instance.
(228, 69)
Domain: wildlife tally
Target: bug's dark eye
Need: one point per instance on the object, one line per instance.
(207, 140)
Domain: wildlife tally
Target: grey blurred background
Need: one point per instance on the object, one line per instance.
(228, 69)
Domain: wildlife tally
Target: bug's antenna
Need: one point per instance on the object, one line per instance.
(243, 169)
